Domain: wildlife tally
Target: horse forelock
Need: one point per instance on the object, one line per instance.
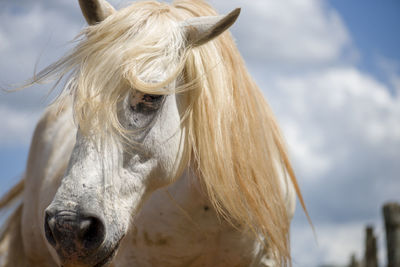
(231, 134)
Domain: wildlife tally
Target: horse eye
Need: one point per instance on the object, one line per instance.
(152, 98)
(146, 102)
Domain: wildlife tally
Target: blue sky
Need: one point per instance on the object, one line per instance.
(330, 70)
(372, 25)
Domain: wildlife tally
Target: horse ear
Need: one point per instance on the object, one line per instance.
(200, 30)
(95, 11)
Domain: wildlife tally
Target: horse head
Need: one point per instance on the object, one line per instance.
(109, 175)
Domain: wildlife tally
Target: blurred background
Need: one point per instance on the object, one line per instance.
(330, 70)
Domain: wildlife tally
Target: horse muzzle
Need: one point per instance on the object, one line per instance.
(77, 237)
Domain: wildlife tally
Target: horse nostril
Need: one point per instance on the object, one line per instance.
(91, 232)
(71, 231)
(49, 222)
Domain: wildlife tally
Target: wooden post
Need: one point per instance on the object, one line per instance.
(353, 261)
(370, 256)
(391, 214)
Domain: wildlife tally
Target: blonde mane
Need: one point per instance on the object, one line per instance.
(232, 139)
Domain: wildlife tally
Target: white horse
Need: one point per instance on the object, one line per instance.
(160, 151)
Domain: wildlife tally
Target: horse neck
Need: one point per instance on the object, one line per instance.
(187, 191)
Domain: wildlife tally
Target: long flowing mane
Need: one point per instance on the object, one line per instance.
(232, 140)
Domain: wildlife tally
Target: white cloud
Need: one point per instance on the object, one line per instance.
(17, 127)
(334, 109)
(289, 33)
(391, 68)
(334, 243)
(3, 40)
(31, 33)
(343, 130)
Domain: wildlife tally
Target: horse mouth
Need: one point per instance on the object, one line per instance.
(110, 255)
(102, 263)
(107, 259)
